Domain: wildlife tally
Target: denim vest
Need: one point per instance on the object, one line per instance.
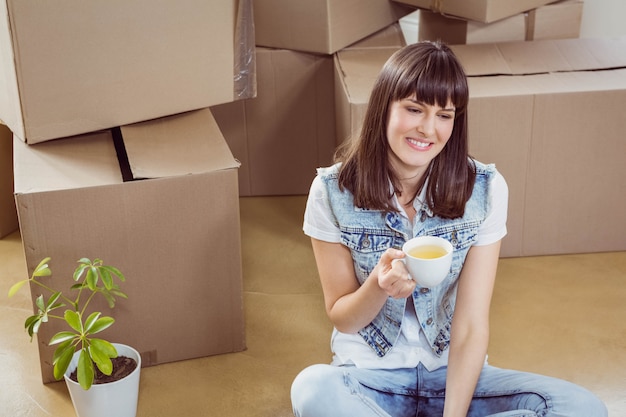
(368, 233)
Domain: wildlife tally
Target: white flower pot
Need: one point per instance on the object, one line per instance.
(114, 399)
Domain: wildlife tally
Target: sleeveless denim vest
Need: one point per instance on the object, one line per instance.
(368, 233)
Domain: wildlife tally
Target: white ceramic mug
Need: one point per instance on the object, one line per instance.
(428, 259)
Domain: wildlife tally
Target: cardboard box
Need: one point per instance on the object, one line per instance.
(486, 11)
(321, 26)
(355, 72)
(560, 20)
(8, 212)
(451, 30)
(391, 36)
(288, 130)
(172, 227)
(540, 111)
(69, 68)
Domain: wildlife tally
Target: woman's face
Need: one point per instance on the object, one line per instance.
(416, 133)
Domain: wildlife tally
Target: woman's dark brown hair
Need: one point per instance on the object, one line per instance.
(430, 72)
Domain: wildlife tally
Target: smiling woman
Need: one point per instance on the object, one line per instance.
(401, 349)
(417, 132)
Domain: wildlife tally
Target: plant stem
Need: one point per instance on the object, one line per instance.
(44, 286)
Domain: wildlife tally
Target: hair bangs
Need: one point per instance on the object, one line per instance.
(436, 79)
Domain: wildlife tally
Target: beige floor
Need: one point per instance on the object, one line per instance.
(560, 315)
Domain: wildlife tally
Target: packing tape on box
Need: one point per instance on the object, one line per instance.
(245, 52)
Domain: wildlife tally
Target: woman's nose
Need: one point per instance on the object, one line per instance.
(427, 125)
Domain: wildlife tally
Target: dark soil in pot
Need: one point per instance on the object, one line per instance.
(122, 367)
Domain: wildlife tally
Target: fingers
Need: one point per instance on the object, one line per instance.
(394, 278)
(389, 256)
(402, 288)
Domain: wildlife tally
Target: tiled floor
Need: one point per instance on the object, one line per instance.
(560, 315)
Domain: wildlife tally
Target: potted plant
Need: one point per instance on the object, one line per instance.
(88, 364)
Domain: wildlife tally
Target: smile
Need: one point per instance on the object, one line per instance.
(419, 144)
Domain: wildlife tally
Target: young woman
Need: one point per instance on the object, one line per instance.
(400, 349)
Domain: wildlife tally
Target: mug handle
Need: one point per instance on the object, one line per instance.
(403, 260)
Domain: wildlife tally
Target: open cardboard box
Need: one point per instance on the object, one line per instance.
(68, 68)
(169, 219)
(321, 26)
(549, 114)
(479, 10)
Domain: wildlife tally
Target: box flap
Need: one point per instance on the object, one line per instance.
(543, 56)
(359, 68)
(77, 162)
(187, 143)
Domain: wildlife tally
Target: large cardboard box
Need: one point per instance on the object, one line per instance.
(560, 20)
(479, 10)
(452, 30)
(68, 67)
(548, 113)
(321, 26)
(8, 213)
(168, 218)
(288, 130)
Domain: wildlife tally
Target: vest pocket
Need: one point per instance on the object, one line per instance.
(367, 240)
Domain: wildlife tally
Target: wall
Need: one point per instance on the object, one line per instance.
(602, 18)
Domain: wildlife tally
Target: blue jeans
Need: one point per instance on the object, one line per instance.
(331, 391)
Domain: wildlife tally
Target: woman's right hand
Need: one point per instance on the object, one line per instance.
(393, 277)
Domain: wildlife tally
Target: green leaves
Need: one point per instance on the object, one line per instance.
(101, 353)
(85, 371)
(94, 278)
(96, 325)
(42, 270)
(93, 350)
(16, 287)
(62, 358)
(33, 323)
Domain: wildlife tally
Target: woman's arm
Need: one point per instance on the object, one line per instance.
(351, 306)
(470, 327)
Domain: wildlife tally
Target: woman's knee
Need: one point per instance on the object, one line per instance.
(310, 385)
(583, 403)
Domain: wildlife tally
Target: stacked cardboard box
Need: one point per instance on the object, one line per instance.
(539, 110)
(118, 156)
(296, 42)
(560, 20)
(322, 26)
(512, 122)
(557, 20)
(288, 130)
(485, 11)
(276, 163)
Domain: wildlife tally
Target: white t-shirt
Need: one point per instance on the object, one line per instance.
(412, 346)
